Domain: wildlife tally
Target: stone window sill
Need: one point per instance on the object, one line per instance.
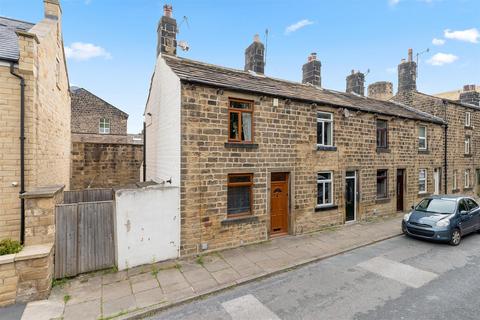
(456, 190)
(239, 220)
(420, 151)
(468, 189)
(469, 127)
(468, 155)
(241, 145)
(326, 148)
(383, 150)
(326, 208)
(382, 200)
(424, 194)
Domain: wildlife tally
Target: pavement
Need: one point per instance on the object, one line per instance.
(144, 290)
(400, 278)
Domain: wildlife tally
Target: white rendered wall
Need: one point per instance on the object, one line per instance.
(162, 117)
(147, 225)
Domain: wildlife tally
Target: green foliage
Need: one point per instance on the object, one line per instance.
(9, 246)
(200, 260)
(59, 282)
(66, 298)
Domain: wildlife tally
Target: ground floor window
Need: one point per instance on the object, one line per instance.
(422, 181)
(467, 178)
(324, 189)
(239, 194)
(382, 184)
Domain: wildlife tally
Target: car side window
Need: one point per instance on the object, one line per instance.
(472, 204)
(462, 206)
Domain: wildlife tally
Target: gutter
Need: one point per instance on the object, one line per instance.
(144, 151)
(445, 158)
(22, 151)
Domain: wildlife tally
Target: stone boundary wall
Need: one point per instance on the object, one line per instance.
(105, 165)
(27, 275)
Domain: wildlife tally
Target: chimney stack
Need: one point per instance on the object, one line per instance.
(312, 70)
(52, 9)
(407, 74)
(255, 56)
(167, 33)
(356, 83)
(470, 95)
(382, 90)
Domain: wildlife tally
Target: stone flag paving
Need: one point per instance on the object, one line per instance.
(143, 290)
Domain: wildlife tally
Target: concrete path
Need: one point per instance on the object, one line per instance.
(146, 289)
(400, 278)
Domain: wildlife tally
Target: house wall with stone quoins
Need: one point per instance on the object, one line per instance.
(285, 140)
(47, 120)
(454, 114)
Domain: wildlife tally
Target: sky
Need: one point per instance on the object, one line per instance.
(111, 44)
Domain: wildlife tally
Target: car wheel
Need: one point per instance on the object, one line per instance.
(456, 237)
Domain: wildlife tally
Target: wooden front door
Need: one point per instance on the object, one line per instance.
(400, 189)
(279, 203)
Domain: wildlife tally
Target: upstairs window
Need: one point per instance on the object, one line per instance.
(422, 138)
(468, 119)
(239, 194)
(325, 129)
(467, 145)
(422, 181)
(382, 134)
(382, 184)
(324, 189)
(104, 126)
(240, 120)
(467, 179)
(455, 183)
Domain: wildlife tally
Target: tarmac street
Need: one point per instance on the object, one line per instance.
(400, 278)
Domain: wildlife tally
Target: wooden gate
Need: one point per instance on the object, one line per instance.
(84, 237)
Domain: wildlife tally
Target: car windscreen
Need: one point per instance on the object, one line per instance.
(445, 206)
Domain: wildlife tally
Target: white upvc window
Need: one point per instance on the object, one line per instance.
(324, 189)
(422, 138)
(467, 145)
(455, 184)
(104, 126)
(325, 129)
(468, 119)
(467, 178)
(422, 181)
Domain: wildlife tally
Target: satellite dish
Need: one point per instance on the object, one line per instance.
(183, 45)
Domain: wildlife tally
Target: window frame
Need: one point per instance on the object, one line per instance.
(425, 138)
(468, 145)
(425, 180)
(241, 184)
(381, 130)
(468, 119)
(323, 121)
(104, 121)
(386, 184)
(466, 178)
(240, 126)
(323, 182)
(455, 179)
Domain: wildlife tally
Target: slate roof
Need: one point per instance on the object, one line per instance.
(78, 98)
(212, 75)
(8, 38)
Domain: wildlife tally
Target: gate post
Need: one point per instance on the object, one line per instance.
(40, 214)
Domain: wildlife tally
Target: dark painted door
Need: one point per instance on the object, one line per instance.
(400, 189)
(350, 192)
(279, 204)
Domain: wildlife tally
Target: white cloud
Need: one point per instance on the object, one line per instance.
(298, 25)
(391, 70)
(87, 2)
(85, 51)
(393, 2)
(438, 42)
(440, 59)
(469, 35)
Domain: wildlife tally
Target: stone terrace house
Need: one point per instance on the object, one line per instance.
(256, 157)
(103, 154)
(34, 113)
(463, 119)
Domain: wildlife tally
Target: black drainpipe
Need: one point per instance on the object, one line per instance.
(445, 158)
(22, 152)
(144, 151)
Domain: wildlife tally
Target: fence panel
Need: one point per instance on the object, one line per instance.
(88, 195)
(84, 238)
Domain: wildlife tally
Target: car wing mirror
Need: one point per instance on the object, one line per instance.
(413, 207)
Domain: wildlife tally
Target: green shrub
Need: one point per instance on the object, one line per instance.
(9, 246)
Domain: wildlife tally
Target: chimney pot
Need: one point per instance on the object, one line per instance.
(469, 87)
(167, 10)
(410, 55)
(256, 38)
